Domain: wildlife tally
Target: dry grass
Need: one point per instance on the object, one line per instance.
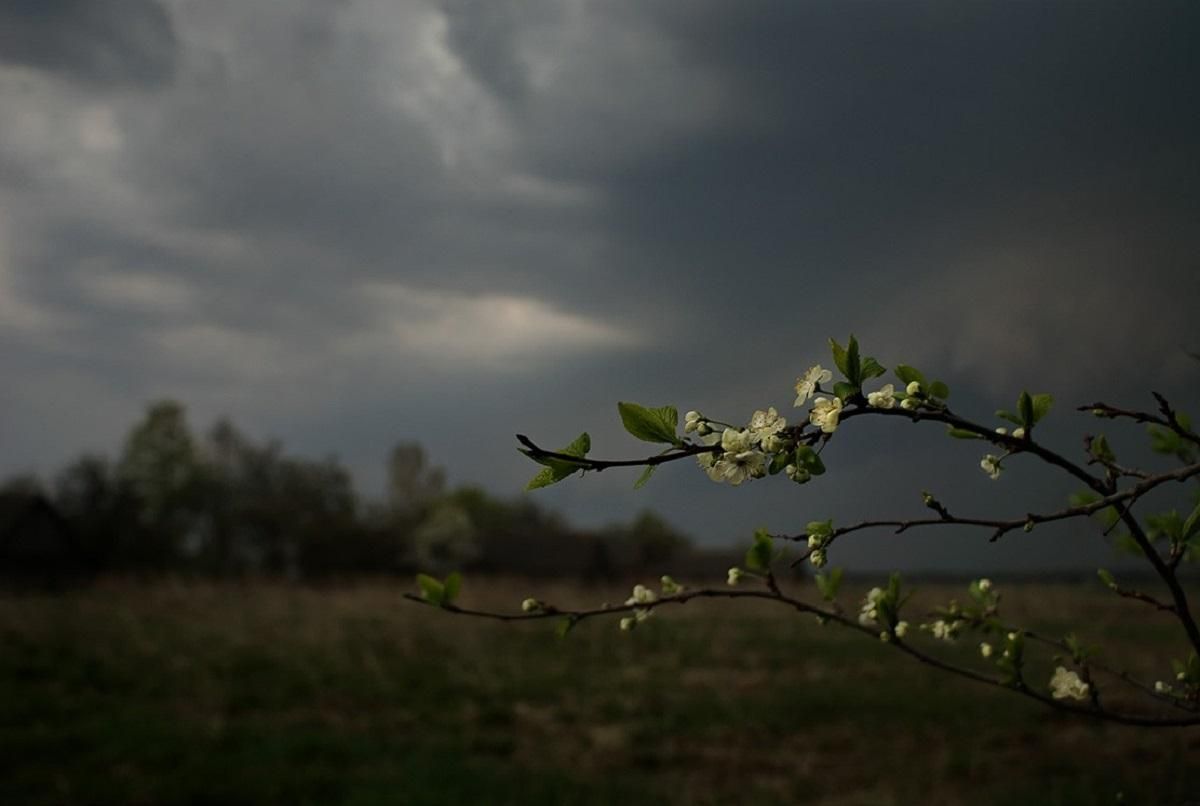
(196, 693)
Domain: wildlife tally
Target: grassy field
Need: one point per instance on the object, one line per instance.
(189, 694)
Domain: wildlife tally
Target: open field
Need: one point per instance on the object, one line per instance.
(188, 693)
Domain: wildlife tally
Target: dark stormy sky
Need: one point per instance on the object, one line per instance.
(351, 223)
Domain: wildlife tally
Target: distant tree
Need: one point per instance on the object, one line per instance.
(160, 466)
(98, 506)
(411, 482)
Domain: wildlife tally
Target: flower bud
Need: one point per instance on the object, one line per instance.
(913, 388)
(531, 605)
(1018, 433)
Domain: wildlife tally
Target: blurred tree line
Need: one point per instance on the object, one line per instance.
(223, 505)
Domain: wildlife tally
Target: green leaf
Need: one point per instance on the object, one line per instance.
(645, 477)
(870, 369)
(1102, 450)
(908, 374)
(1083, 498)
(1191, 526)
(962, 433)
(853, 364)
(431, 589)
(1009, 416)
(839, 357)
(1025, 409)
(828, 584)
(760, 554)
(556, 470)
(451, 587)
(779, 461)
(845, 390)
(939, 390)
(808, 458)
(564, 626)
(1106, 577)
(650, 425)
(1041, 406)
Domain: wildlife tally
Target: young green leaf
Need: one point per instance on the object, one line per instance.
(1025, 410)
(761, 552)
(431, 589)
(565, 625)
(1041, 406)
(828, 584)
(870, 369)
(1009, 416)
(807, 458)
(839, 357)
(853, 363)
(908, 374)
(450, 587)
(650, 425)
(645, 477)
(1191, 526)
(1102, 450)
(844, 390)
(939, 390)
(779, 461)
(556, 469)
(1106, 577)
(962, 433)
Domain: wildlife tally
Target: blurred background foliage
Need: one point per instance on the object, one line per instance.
(222, 504)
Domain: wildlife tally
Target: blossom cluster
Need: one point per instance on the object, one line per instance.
(743, 450)
(1066, 684)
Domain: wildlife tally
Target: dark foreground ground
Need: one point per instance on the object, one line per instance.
(186, 694)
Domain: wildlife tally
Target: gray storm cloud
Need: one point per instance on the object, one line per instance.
(350, 223)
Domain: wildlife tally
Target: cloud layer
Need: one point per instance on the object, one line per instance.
(354, 222)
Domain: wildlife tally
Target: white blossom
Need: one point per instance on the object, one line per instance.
(735, 441)
(817, 558)
(1066, 684)
(901, 629)
(943, 630)
(991, 466)
(628, 623)
(670, 586)
(641, 595)
(825, 413)
(707, 460)
(913, 388)
(1161, 687)
(910, 404)
(869, 614)
(806, 384)
(985, 649)
(985, 585)
(885, 398)
(734, 468)
(692, 421)
(772, 443)
(765, 424)
(735, 576)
